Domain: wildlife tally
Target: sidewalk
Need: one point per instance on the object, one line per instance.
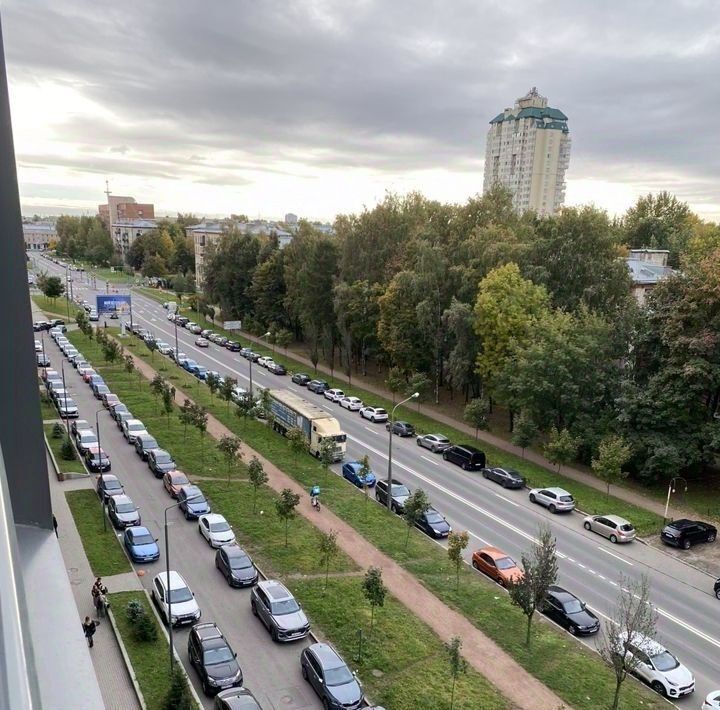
(115, 684)
(625, 494)
(511, 679)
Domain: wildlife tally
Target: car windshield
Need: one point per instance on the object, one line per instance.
(573, 607)
(213, 656)
(112, 484)
(338, 676)
(102, 389)
(340, 438)
(505, 563)
(433, 517)
(67, 402)
(125, 508)
(87, 437)
(180, 480)
(136, 427)
(665, 661)
(163, 458)
(180, 595)
(287, 606)
(146, 539)
(400, 491)
(242, 562)
(197, 499)
(149, 443)
(219, 527)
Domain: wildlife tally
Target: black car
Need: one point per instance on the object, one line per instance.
(144, 443)
(716, 588)
(181, 320)
(433, 524)
(300, 378)
(213, 659)
(467, 457)
(399, 493)
(160, 462)
(685, 533)
(317, 386)
(108, 486)
(401, 428)
(330, 677)
(570, 612)
(506, 477)
(236, 566)
(41, 325)
(233, 346)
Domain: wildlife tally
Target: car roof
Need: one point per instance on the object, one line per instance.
(110, 477)
(137, 529)
(207, 631)
(176, 472)
(176, 580)
(556, 490)
(133, 421)
(191, 490)
(234, 550)
(275, 590)
(327, 655)
(682, 523)
(562, 595)
(494, 552)
(123, 499)
(511, 471)
(214, 517)
(616, 519)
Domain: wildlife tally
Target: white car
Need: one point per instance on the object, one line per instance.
(163, 348)
(554, 499)
(613, 527)
(712, 701)
(67, 408)
(202, 342)
(374, 414)
(334, 395)
(354, 404)
(264, 360)
(238, 393)
(183, 609)
(38, 346)
(216, 530)
(131, 428)
(658, 667)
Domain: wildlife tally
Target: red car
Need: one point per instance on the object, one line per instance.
(174, 481)
(496, 565)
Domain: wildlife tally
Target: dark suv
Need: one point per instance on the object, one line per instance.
(330, 677)
(401, 428)
(506, 477)
(399, 493)
(467, 457)
(213, 659)
(317, 386)
(685, 533)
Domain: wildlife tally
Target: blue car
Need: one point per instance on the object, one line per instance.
(200, 372)
(351, 470)
(140, 544)
(190, 365)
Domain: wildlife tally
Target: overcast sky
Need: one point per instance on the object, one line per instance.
(319, 107)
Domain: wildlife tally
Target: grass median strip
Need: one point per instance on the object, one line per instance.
(55, 307)
(263, 535)
(56, 447)
(590, 683)
(101, 545)
(149, 659)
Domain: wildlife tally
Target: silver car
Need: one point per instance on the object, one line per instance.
(434, 442)
(556, 500)
(613, 527)
(279, 611)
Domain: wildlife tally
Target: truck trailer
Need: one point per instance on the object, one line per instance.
(289, 411)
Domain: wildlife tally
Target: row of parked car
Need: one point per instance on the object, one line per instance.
(209, 651)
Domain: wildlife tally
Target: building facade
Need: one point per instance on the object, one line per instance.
(647, 267)
(38, 235)
(125, 231)
(528, 152)
(126, 219)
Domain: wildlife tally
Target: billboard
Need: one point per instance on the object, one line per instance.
(113, 304)
(232, 325)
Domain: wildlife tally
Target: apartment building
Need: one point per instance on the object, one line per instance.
(38, 236)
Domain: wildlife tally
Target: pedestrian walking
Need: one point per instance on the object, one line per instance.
(89, 628)
(101, 605)
(55, 526)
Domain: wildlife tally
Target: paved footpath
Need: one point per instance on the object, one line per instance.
(511, 679)
(112, 674)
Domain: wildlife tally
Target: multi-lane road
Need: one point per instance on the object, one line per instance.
(589, 566)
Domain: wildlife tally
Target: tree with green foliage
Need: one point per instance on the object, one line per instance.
(285, 508)
(67, 450)
(186, 414)
(199, 421)
(524, 431)
(528, 592)
(244, 405)
(298, 440)
(374, 590)
(129, 364)
(168, 401)
(613, 453)
(256, 476)
(229, 446)
(396, 381)
(460, 372)
(415, 507)
(327, 454)
(457, 542)
(152, 346)
(112, 352)
(265, 404)
(476, 414)
(364, 471)
(561, 447)
(157, 387)
(178, 696)
(283, 338)
(226, 390)
(51, 286)
(418, 382)
(457, 664)
(58, 431)
(213, 382)
(329, 550)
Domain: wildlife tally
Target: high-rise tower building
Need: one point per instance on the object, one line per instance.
(528, 151)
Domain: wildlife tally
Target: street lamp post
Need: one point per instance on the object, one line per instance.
(251, 362)
(414, 395)
(67, 293)
(671, 489)
(177, 349)
(67, 421)
(97, 428)
(167, 578)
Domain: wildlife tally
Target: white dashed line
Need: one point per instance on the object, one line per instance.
(378, 434)
(435, 463)
(617, 557)
(507, 500)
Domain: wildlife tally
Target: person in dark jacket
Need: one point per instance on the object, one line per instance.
(89, 628)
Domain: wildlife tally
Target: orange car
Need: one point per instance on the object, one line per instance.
(496, 565)
(174, 481)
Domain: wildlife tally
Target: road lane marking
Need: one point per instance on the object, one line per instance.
(617, 557)
(687, 626)
(482, 539)
(512, 502)
(377, 433)
(434, 463)
(326, 407)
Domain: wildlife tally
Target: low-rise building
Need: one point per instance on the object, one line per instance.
(647, 267)
(125, 231)
(39, 235)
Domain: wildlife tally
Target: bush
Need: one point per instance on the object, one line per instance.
(144, 628)
(67, 451)
(178, 697)
(58, 431)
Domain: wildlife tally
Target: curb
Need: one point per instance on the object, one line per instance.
(58, 475)
(126, 659)
(678, 559)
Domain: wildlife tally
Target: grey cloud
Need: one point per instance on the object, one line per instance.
(391, 86)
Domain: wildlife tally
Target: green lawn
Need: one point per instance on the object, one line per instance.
(591, 682)
(149, 659)
(101, 545)
(75, 466)
(47, 408)
(412, 658)
(57, 307)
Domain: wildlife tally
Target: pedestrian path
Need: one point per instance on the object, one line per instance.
(511, 679)
(115, 684)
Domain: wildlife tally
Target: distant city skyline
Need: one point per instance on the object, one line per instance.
(320, 109)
